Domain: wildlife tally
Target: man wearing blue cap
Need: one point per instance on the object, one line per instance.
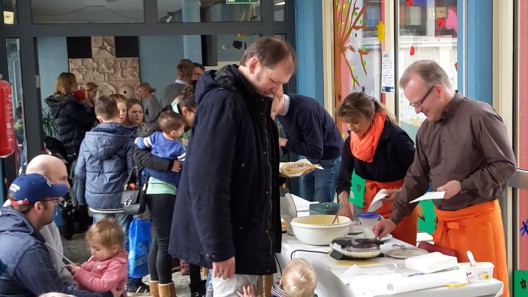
(25, 261)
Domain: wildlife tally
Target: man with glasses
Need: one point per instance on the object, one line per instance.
(462, 149)
(25, 265)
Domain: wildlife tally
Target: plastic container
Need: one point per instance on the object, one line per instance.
(318, 229)
(369, 219)
(325, 208)
(481, 272)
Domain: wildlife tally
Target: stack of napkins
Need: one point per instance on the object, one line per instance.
(431, 262)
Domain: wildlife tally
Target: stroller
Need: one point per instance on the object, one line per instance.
(71, 212)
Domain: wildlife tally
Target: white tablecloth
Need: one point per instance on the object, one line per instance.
(328, 270)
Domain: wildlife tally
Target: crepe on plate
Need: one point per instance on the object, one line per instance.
(292, 169)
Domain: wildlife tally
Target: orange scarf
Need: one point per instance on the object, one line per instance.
(364, 147)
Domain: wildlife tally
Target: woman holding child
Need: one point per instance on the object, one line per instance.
(161, 192)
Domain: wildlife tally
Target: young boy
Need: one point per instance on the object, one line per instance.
(166, 144)
(105, 160)
(298, 280)
(121, 102)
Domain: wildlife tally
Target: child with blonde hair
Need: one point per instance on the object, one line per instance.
(107, 267)
(298, 280)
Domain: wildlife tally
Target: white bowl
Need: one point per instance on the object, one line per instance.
(318, 229)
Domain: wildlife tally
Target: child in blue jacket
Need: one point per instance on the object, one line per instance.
(165, 144)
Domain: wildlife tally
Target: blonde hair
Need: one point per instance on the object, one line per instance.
(299, 279)
(106, 231)
(89, 86)
(146, 87)
(64, 82)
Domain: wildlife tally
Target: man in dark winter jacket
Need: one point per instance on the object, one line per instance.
(227, 206)
(25, 265)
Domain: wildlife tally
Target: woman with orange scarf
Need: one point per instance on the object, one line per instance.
(375, 156)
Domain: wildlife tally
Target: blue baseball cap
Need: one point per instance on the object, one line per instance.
(34, 187)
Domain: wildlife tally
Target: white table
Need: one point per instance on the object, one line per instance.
(328, 269)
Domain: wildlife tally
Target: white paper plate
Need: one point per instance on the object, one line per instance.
(386, 237)
(400, 253)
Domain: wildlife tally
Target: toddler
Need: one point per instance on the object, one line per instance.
(298, 280)
(165, 144)
(107, 267)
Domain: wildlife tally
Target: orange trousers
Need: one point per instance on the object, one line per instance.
(406, 230)
(478, 229)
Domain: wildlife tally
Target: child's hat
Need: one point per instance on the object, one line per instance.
(34, 187)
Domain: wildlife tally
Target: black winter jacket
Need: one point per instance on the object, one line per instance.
(228, 202)
(73, 119)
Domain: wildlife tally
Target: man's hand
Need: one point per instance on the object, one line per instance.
(344, 207)
(224, 269)
(383, 228)
(391, 195)
(282, 141)
(451, 189)
(176, 166)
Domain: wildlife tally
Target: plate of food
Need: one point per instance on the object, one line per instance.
(294, 169)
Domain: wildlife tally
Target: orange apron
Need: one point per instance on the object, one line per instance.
(406, 229)
(479, 229)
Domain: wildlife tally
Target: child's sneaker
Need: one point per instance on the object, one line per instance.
(139, 287)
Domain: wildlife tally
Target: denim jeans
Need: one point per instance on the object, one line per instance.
(320, 185)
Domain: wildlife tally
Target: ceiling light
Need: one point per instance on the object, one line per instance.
(280, 3)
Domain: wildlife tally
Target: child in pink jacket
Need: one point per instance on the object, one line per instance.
(107, 267)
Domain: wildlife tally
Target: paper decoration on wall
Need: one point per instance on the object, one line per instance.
(349, 23)
(409, 2)
(519, 282)
(381, 31)
(452, 20)
(524, 228)
(412, 50)
(441, 23)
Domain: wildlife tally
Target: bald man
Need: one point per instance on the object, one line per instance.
(55, 171)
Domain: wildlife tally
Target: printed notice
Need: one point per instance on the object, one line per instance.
(387, 72)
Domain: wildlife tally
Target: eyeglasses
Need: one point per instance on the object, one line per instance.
(419, 104)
